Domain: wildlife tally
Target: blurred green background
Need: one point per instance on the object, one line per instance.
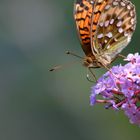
(36, 104)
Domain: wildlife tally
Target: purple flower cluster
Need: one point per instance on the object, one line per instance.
(119, 88)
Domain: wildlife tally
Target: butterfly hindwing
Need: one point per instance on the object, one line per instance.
(98, 9)
(115, 28)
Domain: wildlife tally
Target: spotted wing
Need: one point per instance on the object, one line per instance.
(96, 14)
(83, 10)
(115, 28)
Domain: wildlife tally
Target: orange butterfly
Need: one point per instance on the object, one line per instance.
(105, 28)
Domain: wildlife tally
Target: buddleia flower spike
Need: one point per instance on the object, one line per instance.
(121, 91)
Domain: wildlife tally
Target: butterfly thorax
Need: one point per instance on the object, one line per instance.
(96, 62)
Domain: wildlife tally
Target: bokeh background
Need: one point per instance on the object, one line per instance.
(36, 104)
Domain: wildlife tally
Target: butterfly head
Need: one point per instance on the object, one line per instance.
(96, 61)
(91, 62)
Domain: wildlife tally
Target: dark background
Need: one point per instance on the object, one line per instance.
(36, 104)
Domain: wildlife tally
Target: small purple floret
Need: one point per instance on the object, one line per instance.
(120, 88)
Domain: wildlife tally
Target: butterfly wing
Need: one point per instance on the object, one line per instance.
(115, 28)
(83, 10)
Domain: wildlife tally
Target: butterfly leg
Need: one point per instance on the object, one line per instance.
(108, 69)
(88, 76)
(121, 56)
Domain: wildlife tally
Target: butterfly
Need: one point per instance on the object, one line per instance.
(105, 28)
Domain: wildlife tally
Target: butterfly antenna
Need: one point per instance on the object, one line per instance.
(61, 66)
(73, 54)
(68, 64)
(56, 68)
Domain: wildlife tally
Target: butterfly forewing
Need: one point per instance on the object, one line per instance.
(83, 10)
